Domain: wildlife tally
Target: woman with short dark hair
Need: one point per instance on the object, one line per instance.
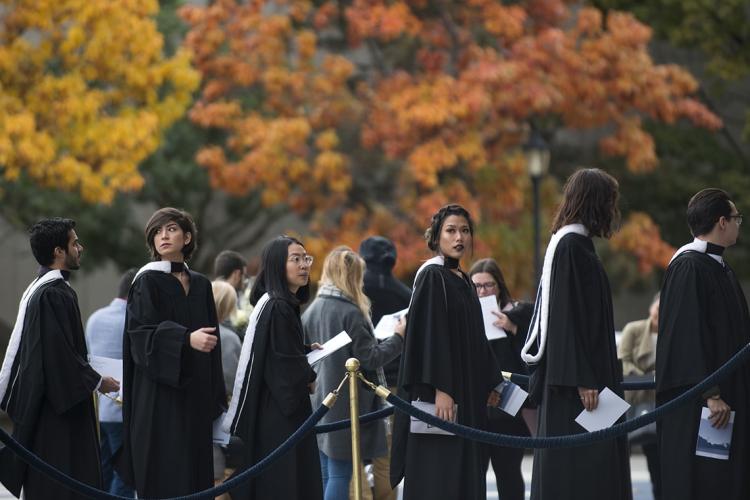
(172, 374)
(272, 388)
(447, 363)
(571, 344)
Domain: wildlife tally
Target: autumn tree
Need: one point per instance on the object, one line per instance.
(365, 116)
(85, 93)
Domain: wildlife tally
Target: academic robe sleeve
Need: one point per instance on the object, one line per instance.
(427, 353)
(286, 372)
(68, 377)
(157, 347)
(682, 356)
(573, 323)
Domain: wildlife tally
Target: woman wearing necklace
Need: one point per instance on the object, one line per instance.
(172, 374)
(447, 362)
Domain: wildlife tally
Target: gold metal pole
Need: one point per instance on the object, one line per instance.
(352, 367)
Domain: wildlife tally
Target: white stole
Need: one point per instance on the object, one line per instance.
(245, 365)
(696, 246)
(537, 334)
(15, 337)
(164, 266)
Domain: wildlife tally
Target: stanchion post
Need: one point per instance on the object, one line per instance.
(352, 367)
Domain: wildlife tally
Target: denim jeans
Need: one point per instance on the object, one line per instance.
(336, 477)
(111, 440)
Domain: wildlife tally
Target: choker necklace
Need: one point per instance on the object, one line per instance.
(450, 262)
(177, 267)
(714, 249)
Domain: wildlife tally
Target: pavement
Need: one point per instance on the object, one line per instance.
(638, 472)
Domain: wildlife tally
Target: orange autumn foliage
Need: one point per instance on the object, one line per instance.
(365, 116)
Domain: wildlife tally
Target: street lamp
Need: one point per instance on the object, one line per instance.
(537, 162)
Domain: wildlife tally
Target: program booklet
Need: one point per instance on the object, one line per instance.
(713, 442)
(418, 427)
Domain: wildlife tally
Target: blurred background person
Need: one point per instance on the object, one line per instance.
(231, 267)
(387, 296)
(637, 350)
(225, 299)
(342, 305)
(506, 462)
(104, 330)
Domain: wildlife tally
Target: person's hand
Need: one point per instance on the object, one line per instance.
(589, 398)
(401, 327)
(109, 385)
(720, 412)
(444, 405)
(494, 398)
(311, 387)
(203, 339)
(316, 346)
(503, 322)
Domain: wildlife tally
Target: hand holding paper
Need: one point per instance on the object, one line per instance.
(610, 408)
(489, 305)
(329, 347)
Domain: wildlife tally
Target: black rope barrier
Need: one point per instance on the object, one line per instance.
(635, 384)
(363, 419)
(573, 440)
(91, 492)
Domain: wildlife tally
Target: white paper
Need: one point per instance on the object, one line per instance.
(512, 397)
(489, 304)
(417, 426)
(219, 436)
(610, 408)
(107, 367)
(713, 442)
(329, 348)
(386, 327)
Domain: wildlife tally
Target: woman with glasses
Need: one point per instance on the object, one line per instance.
(514, 318)
(447, 367)
(341, 304)
(272, 388)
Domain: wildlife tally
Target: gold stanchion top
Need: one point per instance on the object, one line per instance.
(352, 365)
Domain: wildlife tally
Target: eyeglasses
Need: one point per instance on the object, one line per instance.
(299, 259)
(736, 216)
(490, 285)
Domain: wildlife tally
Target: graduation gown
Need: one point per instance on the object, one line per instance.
(275, 403)
(703, 321)
(580, 352)
(172, 393)
(51, 403)
(445, 348)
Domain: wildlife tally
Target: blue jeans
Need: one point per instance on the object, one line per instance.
(336, 477)
(111, 440)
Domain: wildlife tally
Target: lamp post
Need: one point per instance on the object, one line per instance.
(537, 162)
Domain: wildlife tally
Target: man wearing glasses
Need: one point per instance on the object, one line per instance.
(703, 322)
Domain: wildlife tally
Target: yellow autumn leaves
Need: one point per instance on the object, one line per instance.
(85, 93)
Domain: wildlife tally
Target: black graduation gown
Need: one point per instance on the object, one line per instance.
(172, 393)
(580, 352)
(445, 348)
(506, 461)
(276, 402)
(703, 321)
(51, 404)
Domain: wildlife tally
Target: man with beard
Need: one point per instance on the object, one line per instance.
(703, 322)
(46, 383)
